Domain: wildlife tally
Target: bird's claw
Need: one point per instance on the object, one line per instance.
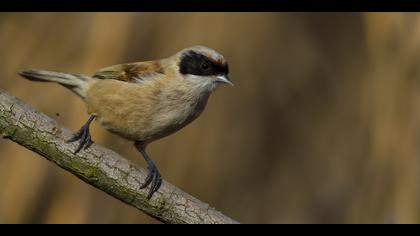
(153, 178)
(84, 136)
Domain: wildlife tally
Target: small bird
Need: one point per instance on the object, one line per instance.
(145, 101)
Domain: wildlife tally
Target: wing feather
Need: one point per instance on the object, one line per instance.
(131, 72)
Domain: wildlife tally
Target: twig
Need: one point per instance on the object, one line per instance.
(99, 166)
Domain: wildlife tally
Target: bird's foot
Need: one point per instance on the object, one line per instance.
(153, 178)
(83, 135)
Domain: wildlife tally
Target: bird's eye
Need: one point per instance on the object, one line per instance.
(205, 66)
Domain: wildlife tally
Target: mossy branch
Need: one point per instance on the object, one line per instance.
(99, 166)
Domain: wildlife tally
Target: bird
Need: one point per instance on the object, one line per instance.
(144, 101)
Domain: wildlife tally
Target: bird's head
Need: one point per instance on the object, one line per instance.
(203, 67)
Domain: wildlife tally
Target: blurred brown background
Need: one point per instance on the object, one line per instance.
(322, 125)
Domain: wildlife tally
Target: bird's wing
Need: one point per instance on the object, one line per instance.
(131, 72)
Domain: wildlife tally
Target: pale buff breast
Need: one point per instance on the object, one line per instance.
(144, 111)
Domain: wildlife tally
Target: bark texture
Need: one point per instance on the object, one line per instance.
(100, 167)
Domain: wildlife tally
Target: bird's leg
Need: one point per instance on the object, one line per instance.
(83, 135)
(153, 177)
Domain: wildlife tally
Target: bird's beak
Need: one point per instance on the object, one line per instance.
(224, 79)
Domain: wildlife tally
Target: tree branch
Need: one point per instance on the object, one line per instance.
(99, 166)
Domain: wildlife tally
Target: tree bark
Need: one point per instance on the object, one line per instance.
(100, 167)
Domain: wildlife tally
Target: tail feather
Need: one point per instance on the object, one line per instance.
(76, 83)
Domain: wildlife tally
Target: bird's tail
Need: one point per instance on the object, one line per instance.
(76, 83)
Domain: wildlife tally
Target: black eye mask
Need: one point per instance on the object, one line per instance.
(197, 64)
